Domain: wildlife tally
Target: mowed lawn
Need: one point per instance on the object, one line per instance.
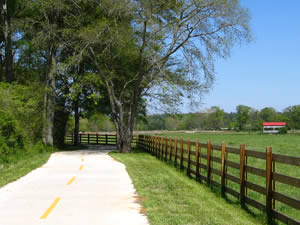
(171, 198)
(281, 144)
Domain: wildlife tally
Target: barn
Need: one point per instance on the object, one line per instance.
(273, 127)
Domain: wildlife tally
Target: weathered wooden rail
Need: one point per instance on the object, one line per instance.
(201, 161)
(94, 139)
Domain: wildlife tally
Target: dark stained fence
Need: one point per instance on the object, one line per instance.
(95, 139)
(219, 166)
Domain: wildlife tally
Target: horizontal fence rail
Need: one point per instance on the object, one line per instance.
(215, 165)
(94, 139)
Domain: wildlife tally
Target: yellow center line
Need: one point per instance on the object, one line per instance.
(81, 167)
(71, 181)
(82, 159)
(49, 210)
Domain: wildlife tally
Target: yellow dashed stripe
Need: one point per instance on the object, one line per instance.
(49, 210)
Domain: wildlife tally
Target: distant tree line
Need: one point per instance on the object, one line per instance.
(214, 118)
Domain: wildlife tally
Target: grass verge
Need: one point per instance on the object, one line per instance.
(171, 198)
(21, 164)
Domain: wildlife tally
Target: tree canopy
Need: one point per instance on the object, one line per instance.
(126, 53)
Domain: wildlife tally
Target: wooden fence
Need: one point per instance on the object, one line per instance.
(95, 139)
(210, 163)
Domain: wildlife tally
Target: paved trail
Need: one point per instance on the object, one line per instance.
(74, 188)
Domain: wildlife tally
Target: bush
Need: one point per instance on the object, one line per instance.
(20, 118)
(11, 135)
(283, 130)
(22, 105)
(39, 147)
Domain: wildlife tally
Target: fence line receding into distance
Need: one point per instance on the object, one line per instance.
(214, 164)
(94, 139)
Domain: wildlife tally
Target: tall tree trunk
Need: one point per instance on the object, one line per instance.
(1, 71)
(77, 117)
(8, 42)
(49, 99)
(124, 138)
(124, 129)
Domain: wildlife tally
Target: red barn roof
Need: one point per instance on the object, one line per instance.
(274, 124)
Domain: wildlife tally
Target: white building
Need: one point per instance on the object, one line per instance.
(273, 127)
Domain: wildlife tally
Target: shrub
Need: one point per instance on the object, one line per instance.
(11, 136)
(20, 118)
(283, 130)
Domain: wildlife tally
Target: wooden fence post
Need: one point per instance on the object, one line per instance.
(106, 140)
(159, 147)
(147, 143)
(150, 144)
(269, 183)
(274, 183)
(80, 138)
(171, 149)
(208, 162)
(175, 151)
(246, 170)
(226, 168)
(166, 148)
(197, 160)
(242, 175)
(189, 158)
(181, 153)
(211, 162)
(156, 146)
(88, 138)
(223, 174)
(161, 155)
(72, 137)
(153, 145)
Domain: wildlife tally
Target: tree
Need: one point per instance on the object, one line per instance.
(161, 49)
(242, 117)
(216, 117)
(46, 20)
(171, 123)
(255, 120)
(293, 115)
(268, 114)
(7, 11)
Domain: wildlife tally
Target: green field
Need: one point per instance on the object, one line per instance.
(171, 198)
(281, 144)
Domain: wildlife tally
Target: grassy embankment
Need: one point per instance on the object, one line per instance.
(171, 198)
(281, 144)
(22, 162)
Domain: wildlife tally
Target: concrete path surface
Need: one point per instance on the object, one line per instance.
(83, 187)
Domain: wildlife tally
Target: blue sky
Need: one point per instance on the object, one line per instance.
(266, 72)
